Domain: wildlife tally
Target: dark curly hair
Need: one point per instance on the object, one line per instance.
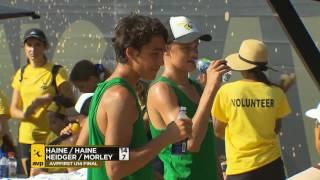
(135, 31)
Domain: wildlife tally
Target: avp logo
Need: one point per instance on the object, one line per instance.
(37, 155)
(37, 164)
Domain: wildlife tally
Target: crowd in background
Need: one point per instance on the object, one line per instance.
(132, 107)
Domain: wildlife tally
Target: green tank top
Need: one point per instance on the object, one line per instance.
(96, 137)
(200, 165)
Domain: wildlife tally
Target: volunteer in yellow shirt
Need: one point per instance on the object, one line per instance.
(33, 92)
(248, 113)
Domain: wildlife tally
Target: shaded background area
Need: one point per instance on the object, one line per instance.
(82, 29)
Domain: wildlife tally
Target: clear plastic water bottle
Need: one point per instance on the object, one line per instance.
(181, 147)
(202, 65)
(3, 165)
(12, 165)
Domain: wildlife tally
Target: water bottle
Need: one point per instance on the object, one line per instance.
(202, 65)
(180, 147)
(3, 165)
(12, 164)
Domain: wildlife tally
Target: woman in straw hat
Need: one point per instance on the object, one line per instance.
(248, 114)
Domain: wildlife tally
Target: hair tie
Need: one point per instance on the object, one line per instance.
(262, 67)
(100, 71)
(99, 68)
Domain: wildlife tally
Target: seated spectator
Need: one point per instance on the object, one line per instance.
(312, 173)
(81, 107)
(315, 114)
(85, 75)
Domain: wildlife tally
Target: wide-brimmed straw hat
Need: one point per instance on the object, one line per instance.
(252, 53)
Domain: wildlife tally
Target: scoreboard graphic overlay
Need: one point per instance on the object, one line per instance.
(46, 156)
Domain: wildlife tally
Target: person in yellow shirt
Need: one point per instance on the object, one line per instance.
(4, 116)
(33, 92)
(248, 115)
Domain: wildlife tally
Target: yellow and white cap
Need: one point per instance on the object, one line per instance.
(182, 30)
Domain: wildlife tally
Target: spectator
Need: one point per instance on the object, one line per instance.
(85, 75)
(315, 114)
(248, 116)
(312, 173)
(33, 92)
(4, 116)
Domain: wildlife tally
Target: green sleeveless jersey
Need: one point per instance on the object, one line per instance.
(200, 165)
(96, 137)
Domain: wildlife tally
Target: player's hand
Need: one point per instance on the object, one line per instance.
(36, 103)
(179, 130)
(29, 111)
(67, 130)
(71, 128)
(215, 71)
(39, 101)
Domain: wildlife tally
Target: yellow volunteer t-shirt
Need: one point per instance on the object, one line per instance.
(36, 82)
(3, 111)
(250, 110)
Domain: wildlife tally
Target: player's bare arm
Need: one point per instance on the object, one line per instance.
(119, 110)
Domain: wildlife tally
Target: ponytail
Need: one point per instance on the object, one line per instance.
(260, 75)
(99, 68)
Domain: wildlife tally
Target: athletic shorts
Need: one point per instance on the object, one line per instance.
(271, 171)
(24, 150)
